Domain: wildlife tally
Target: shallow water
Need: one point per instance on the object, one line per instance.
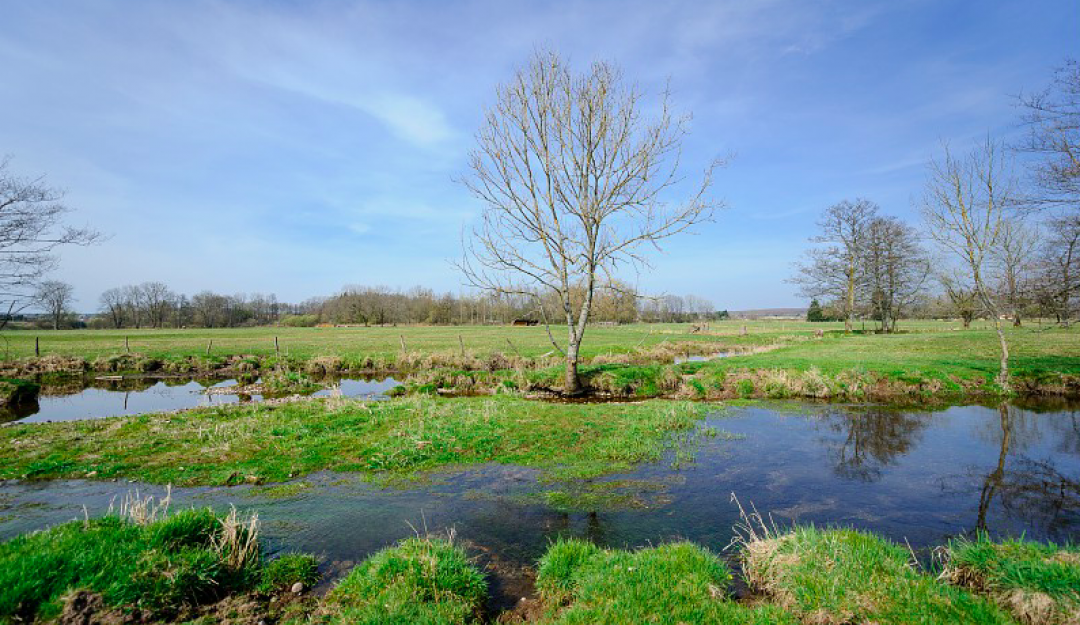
(105, 397)
(920, 477)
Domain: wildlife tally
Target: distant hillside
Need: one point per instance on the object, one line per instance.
(764, 313)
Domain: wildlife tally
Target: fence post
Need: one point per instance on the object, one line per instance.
(127, 346)
(208, 346)
(277, 347)
(461, 342)
(37, 345)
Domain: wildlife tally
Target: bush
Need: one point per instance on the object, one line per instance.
(300, 321)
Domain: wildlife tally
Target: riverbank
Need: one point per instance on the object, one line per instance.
(917, 367)
(193, 566)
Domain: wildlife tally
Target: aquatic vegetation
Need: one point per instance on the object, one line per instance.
(271, 443)
(1035, 582)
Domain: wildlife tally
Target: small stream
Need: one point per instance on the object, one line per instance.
(911, 475)
(111, 396)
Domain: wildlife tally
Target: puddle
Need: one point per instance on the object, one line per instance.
(682, 359)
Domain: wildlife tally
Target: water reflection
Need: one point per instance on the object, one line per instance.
(108, 396)
(920, 477)
(873, 439)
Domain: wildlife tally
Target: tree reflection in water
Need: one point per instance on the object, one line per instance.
(874, 439)
(1034, 491)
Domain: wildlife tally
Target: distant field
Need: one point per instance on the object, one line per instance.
(931, 348)
(973, 353)
(306, 342)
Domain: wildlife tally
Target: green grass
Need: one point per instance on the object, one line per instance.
(348, 343)
(258, 442)
(846, 576)
(158, 568)
(283, 572)
(674, 583)
(417, 582)
(965, 354)
(1036, 582)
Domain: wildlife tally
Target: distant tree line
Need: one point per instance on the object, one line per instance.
(155, 305)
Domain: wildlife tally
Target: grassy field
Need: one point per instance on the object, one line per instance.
(377, 342)
(273, 443)
(385, 342)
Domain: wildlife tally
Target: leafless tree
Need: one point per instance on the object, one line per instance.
(960, 293)
(158, 301)
(1059, 267)
(894, 269)
(1013, 262)
(1053, 120)
(965, 207)
(575, 183)
(832, 271)
(54, 297)
(31, 230)
(114, 306)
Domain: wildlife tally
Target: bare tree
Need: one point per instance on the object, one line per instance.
(54, 297)
(31, 230)
(965, 208)
(894, 268)
(114, 305)
(832, 272)
(960, 294)
(1013, 262)
(158, 301)
(1059, 267)
(575, 184)
(1053, 120)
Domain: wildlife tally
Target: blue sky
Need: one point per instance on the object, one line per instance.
(295, 147)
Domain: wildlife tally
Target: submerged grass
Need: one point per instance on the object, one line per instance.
(258, 443)
(1035, 582)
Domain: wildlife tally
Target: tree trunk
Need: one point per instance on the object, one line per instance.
(572, 385)
(967, 321)
(1003, 375)
(1016, 320)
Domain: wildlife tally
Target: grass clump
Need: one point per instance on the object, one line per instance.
(845, 576)
(420, 581)
(674, 583)
(1035, 582)
(289, 569)
(156, 568)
